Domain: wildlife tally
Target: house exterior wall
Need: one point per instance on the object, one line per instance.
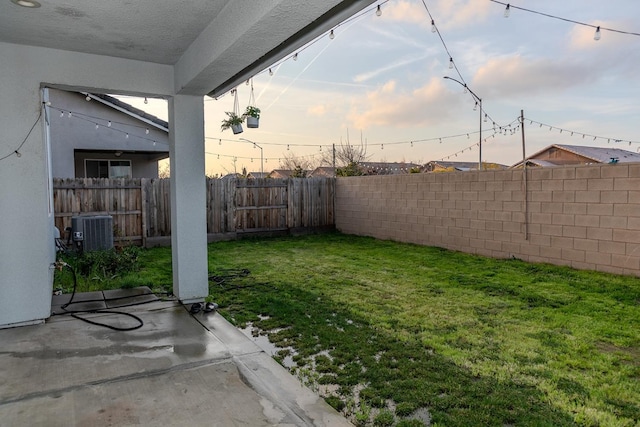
(26, 215)
(586, 217)
(79, 132)
(562, 157)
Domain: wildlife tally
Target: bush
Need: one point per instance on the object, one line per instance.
(104, 264)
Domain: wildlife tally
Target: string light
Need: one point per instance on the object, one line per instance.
(295, 56)
(507, 11)
(109, 124)
(146, 101)
(596, 27)
(433, 26)
(88, 98)
(378, 11)
(146, 131)
(332, 35)
(450, 63)
(485, 117)
(61, 113)
(270, 72)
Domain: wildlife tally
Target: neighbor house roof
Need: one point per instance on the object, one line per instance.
(131, 110)
(579, 154)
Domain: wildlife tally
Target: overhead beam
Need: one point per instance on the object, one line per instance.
(247, 37)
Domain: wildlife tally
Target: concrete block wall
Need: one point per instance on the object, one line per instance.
(587, 217)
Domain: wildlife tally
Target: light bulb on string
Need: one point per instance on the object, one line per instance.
(146, 101)
(18, 154)
(382, 146)
(287, 147)
(433, 26)
(146, 131)
(270, 72)
(597, 35)
(475, 107)
(507, 11)
(450, 63)
(485, 117)
(69, 114)
(411, 144)
(332, 35)
(109, 124)
(61, 113)
(88, 98)
(378, 11)
(295, 56)
(218, 156)
(219, 141)
(97, 126)
(126, 136)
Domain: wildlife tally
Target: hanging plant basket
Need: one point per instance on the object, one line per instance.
(237, 129)
(233, 122)
(252, 114)
(234, 119)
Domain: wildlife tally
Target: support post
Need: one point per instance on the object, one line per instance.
(188, 198)
(525, 180)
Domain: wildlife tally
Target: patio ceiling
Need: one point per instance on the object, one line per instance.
(212, 44)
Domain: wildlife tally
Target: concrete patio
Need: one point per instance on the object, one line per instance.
(178, 368)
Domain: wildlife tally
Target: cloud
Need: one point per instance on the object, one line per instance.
(516, 75)
(317, 110)
(446, 14)
(427, 105)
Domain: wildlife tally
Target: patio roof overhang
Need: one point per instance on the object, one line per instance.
(212, 45)
(177, 50)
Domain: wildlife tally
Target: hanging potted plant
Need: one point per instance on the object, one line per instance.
(252, 114)
(233, 122)
(234, 119)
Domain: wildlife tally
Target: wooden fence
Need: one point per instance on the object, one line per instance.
(141, 208)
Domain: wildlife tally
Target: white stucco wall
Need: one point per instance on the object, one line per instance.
(26, 219)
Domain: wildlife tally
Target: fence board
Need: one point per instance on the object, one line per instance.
(141, 207)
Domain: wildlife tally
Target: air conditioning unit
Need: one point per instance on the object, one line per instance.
(92, 233)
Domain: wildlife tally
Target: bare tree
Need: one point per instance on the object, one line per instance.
(293, 162)
(347, 153)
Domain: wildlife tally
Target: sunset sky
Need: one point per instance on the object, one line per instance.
(380, 81)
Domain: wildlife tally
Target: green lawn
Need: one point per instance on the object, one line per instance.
(388, 331)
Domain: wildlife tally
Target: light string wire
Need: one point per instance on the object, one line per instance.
(320, 37)
(578, 133)
(566, 19)
(16, 152)
(102, 122)
(451, 61)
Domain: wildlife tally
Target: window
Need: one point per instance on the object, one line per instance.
(107, 168)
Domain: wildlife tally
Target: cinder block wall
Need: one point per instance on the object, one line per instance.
(587, 217)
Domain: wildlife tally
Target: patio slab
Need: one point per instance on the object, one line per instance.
(177, 369)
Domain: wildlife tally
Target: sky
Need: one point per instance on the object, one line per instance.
(380, 82)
